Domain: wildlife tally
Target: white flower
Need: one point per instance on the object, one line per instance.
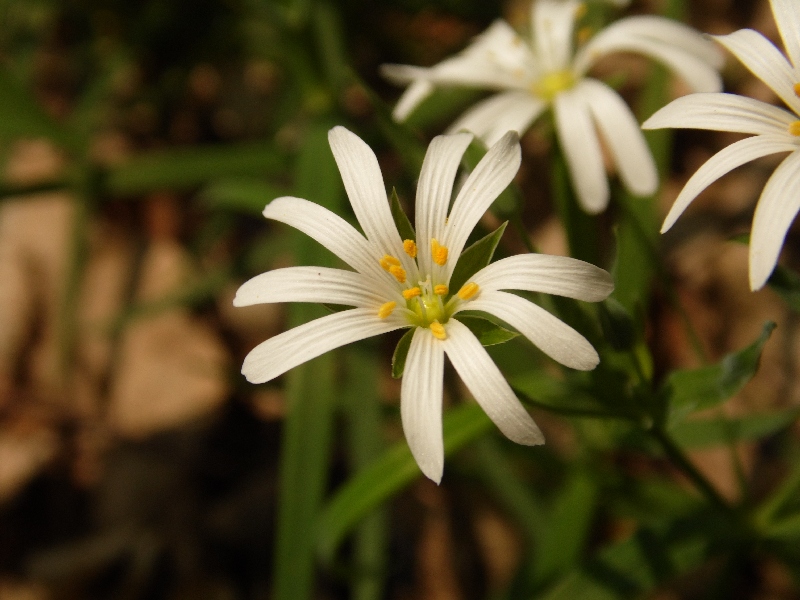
(400, 283)
(548, 72)
(775, 130)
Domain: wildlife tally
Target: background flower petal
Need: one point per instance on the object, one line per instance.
(491, 118)
(775, 212)
(421, 402)
(723, 162)
(487, 384)
(582, 151)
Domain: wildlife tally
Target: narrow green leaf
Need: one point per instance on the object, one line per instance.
(404, 226)
(387, 475)
(476, 257)
(192, 167)
(687, 391)
(401, 353)
(617, 325)
(580, 227)
(702, 433)
(241, 195)
(488, 333)
(787, 283)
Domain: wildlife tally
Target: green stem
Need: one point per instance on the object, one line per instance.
(680, 460)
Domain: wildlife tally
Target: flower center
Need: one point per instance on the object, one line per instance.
(552, 84)
(427, 304)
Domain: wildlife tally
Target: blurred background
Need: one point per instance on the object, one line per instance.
(140, 141)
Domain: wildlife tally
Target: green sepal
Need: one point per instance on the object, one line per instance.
(476, 257)
(487, 332)
(687, 391)
(401, 353)
(404, 226)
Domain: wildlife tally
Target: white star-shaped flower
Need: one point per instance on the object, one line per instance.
(399, 283)
(548, 72)
(775, 130)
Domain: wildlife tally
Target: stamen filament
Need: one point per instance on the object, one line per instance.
(410, 248)
(386, 309)
(438, 331)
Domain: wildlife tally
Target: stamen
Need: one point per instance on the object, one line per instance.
(438, 253)
(412, 293)
(387, 262)
(386, 309)
(797, 89)
(399, 273)
(580, 11)
(410, 248)
(437, 329)
(584, 33)
(468, 291)
(440, 290)
(794, 128)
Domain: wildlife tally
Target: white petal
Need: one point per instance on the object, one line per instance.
(491, 176)
(621, 131)
(487, 384)
(278, 354)
(775, 212)
(363, 181)
(327, 228)
(435, 190)
(723, 162)
(722, 112)
(552, 23)
(680, 48)
(765, 61)
(788, 20)
(411, 98)
(490, 119)
(421, 402)
(551, 335)
(581, 148)
(559, 275)
(309, 284)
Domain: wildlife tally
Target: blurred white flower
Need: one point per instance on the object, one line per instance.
(775, 130)
(399, 283)
(547, 71)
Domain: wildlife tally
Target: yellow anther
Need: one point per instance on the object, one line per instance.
(552, 84)
(437, 329)
(468, 291)
(412, 293)
(438, 252)
(440, 290)
(386, 309)
(794, 128)
(584, 33)
(399, 273)
(387, 262)
(797, 89)
(410, 248)
(581, 10)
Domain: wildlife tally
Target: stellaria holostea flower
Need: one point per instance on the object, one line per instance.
(775, 130)
(548, 72)
(403, 283)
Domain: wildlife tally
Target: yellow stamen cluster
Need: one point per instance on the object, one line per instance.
(468, 291)
(391, 264)
(438, 253)
(412, 293)
(386, 309)
(552, 84)
(410, 248)
(437, 329)
(440, 290)
(794, 128)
